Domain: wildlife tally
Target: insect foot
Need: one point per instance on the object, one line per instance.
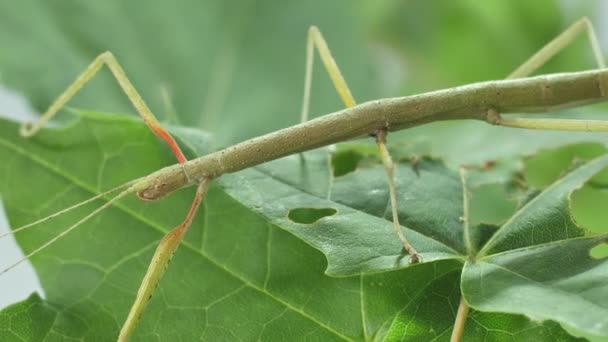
(414, 258)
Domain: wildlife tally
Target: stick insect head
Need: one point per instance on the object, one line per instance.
(161, 183)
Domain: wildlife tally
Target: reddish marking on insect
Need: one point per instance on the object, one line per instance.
(161, 133)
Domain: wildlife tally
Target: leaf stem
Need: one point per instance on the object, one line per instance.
(465, 216)
(463, 308)
(461, 318)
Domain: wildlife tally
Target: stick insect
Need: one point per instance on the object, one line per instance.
(485, 101)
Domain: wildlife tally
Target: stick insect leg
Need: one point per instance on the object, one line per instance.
(536, 61)
(559, 43)
(390, 172)
(162, 256)
(29, 129)
(315, 39)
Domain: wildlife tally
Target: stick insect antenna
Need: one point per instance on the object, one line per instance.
(67, 231)
(77, 205)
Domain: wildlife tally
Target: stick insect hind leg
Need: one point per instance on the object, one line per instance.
(171, 241)
(316, 40)
(528, 67)
(537, 60)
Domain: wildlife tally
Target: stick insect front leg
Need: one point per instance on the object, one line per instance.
(162, 256)
(539, 59)
(173, 238)
(107, 58)
(316, 40)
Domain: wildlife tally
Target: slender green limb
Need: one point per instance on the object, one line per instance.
(106, 58)
(553, 124)
(168, 105)
(541, 57)
(162, 256)
(315, 39)
(390, 173)
(558, 44)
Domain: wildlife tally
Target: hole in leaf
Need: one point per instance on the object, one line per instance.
(547, 166)
(600, 251)
(309, 215)
(344, 162)
(588, 208)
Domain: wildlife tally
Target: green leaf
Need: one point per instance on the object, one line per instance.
(538, 263)
(359, 237)
(237, 276)
(419, 320)
(558, 281)
(29, 320)
(546, 217)
(430, 203)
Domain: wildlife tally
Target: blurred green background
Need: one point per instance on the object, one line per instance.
(235, 68)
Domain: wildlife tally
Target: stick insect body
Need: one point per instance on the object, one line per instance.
(484, 101)
(480, 101)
